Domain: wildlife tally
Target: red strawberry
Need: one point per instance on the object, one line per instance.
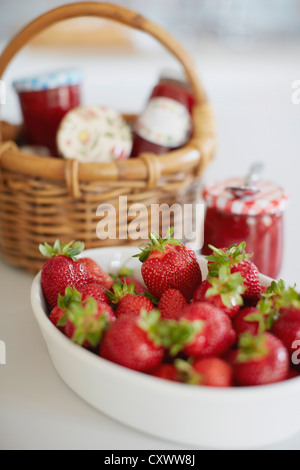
(86, 322)
(96, 291)
(282, 306)
(55, 316)
(126, 299)
(61, 269)
(63, 303)
(215, 336)
(238, 261)
(96, 274)
(210, 371)
(247, 319)
(260, 360)
(171, 304)
(127, 344)
(253, 301)
(132, 304)
(287, 327)
(224, 291)
(166, 372)
(168, 264)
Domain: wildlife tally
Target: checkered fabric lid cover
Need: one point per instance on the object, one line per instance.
(269, 200)
(49, 81)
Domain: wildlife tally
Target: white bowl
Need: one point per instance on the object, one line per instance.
(196, 416)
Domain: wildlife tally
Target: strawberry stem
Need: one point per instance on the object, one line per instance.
(120, 289)
(232, 255)
(228, 286)
(88, 326)
(187, 373)
(172, 335)
(251, 347)
(65, 302)
(276, 297)
(157, 243)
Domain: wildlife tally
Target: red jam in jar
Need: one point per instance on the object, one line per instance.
(44, 101)
(166, 121)
(257, 220)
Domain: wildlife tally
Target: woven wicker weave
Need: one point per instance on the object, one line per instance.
(45, 198)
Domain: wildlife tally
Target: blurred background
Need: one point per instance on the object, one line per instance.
(247, 56)
(236, 20)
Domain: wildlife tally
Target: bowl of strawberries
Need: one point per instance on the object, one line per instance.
(202, 351)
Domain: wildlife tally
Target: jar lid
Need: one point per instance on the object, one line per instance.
(269, 199)
(173, 74)
(94, 134)
(49, 81)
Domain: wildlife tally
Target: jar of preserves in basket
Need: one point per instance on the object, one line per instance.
(44, 100)
(166, 122)
(256, 217)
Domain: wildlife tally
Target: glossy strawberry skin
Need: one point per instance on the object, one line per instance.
(96, 291)
(55, 316)
(172, 304)
(214, 372)
(176, 267)
(253, 301)
(96, 274)
(216, 300)
(217, 335)
(132, 304)
(250, 273)
(270, 368)
(287, 327)
(60, 272)
(241, 325)
(166, 372)
(126, 344)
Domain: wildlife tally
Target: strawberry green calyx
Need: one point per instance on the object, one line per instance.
(170, 334)
(232, 255)
(187, 373)
(266, 316)
(71, 249)
(251, 347)
(120, 289)
(125, 272)
(71, 295)
(277, 296)
(88, 326)
(157, 243)
(228, 286)
(65, 302)
(282, 295)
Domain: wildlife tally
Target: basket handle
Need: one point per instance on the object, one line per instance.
(112, 12)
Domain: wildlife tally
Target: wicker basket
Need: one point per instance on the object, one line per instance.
(44, 198)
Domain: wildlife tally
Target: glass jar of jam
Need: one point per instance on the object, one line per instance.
(256, 219)
(44, 101)
(166, 122)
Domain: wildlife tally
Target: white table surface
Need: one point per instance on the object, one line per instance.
(256, 120)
